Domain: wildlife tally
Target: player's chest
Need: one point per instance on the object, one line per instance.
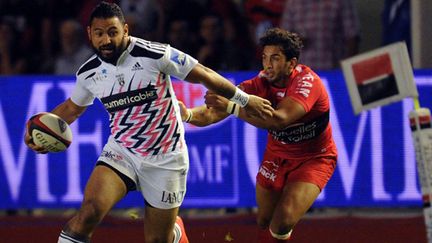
(276, 95)
(124, 78)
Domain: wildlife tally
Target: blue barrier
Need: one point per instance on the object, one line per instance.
(376, 166)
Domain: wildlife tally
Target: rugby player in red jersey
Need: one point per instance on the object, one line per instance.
(300, 155)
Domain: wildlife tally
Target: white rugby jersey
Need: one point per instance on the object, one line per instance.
(138, 94)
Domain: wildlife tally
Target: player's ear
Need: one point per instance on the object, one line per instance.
(89, 33)
(126, 30)
(293, 62)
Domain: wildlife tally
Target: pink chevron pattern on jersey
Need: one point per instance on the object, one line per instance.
(115, 122)
(137, 120)
(148, 130)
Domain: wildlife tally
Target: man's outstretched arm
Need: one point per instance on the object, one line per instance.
(253, 105)
(287, 112)
(201, 116)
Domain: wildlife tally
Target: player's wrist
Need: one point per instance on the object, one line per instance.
(233, 108)
(189, 116)
(240, 97)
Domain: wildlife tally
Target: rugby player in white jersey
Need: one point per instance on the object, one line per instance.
(146, 150)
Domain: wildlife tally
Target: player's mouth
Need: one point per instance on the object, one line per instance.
(107, 50)
(268, 74)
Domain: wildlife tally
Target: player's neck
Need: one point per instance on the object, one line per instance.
(280, 84)
(284, 80)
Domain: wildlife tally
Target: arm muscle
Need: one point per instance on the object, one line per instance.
(211, 80)
(68, 111)
(287, 112)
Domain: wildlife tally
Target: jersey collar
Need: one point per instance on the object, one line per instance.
(126, 52)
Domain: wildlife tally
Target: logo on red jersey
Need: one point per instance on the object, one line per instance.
(269, 170)
(304, 85)
(300, 132)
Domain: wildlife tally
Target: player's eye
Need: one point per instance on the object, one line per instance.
(112, 33)
(98, 33)
(275, 58)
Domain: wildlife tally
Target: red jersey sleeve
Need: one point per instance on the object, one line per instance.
(306, 89)
(254, 86)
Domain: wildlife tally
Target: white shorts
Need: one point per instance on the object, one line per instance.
(160, 178)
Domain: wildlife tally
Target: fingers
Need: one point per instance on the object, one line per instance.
(29, 142)
(211, 100)
(37, 149)
(268, 112)
(185, 113)
(27, 139)
(40, 150)
(269, 108)
(182, 107)
(267, 102)
(210, 95)
(263, 108)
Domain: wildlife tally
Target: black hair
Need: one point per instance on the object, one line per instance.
(290, 42)
(105, 10)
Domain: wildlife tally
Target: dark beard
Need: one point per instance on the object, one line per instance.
(117, 51)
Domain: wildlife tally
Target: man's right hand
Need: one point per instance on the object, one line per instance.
(29, 142)
(183, 111)
(259, 107)
(216, 101)
(256, 106)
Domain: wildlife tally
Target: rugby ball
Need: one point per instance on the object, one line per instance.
(50, 131)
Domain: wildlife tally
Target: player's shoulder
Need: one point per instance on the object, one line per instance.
(92, 63)
(256, 82)
(261, 80)
(148, 49)
(302, 70)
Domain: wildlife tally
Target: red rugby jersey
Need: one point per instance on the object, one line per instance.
(311, 135)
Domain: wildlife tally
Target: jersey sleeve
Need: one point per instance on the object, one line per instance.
(177, 63)
(81, 95)
(251, 86)
(306, 90)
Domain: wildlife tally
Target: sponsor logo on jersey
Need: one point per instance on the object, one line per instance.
(172, 197)
(269, 170)
(120, 79)
(111, 156)
(97, 77)
(137, 67)
(130, 98)
(178, 57)
(300, 132)
(305, 85)
(280, 94)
